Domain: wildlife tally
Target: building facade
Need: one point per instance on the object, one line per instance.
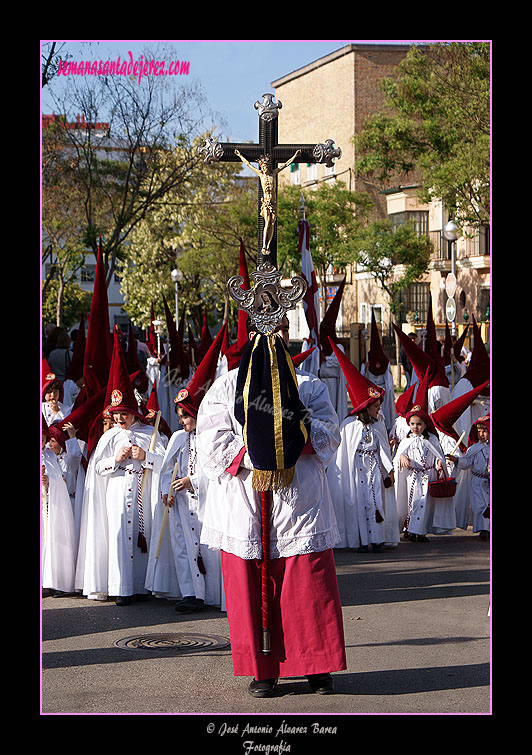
(331, 98)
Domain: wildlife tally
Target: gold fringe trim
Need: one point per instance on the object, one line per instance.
(272, 479)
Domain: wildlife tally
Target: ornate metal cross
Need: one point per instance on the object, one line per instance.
(267, 302)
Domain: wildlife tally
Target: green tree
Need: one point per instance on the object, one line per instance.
(335, 216)
(199, 232)
(436, 126)
(75, 302)
(394, 258)
(149, 151)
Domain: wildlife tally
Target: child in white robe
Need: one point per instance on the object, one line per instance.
(177, 566)
(417, 461)
(477, 461)
(361, 475)
(58, 534)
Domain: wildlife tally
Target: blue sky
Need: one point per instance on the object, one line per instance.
(233, 73)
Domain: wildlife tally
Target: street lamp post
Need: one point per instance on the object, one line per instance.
(177, 276)
(158, 326)
(450, 231)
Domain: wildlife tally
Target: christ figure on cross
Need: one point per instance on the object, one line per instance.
(268, 207)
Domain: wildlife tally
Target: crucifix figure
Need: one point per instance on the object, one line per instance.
(274, 437)
(268, 208)
(275, 157)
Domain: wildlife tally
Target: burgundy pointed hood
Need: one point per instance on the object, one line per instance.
(377, 360)
(98, 346)
(328, 324)
(191, 397)
(362, 391)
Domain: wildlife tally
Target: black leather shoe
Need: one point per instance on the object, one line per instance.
(123, 600)
(189, 604)
(322, 684)
(262, 688)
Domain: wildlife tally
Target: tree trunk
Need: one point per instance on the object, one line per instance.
(59, 303)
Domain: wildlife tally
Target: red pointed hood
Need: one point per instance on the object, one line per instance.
(234, 351)
(473, 433)
(175, 357)
(119, 387)
(405, 400)
(82, 417)
(420, 404)
(446, 416)
(432, 347)
(362, 391)
(297, 359)
(455, 347)
(49, 381)
(98, 346)
(152, 338)
(133, 365)
(479, 367)
(328, 324)
(192, 347)
(421, 360)
(377, 359)
(206, 338)
(150, 412)
(191, 397)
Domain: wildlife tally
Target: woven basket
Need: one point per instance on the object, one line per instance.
(445, 488)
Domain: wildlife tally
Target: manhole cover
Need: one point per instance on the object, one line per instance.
(181, 643)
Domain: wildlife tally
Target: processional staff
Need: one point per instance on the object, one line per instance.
(266, 367)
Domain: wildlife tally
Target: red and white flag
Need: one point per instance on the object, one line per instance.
(311, 300)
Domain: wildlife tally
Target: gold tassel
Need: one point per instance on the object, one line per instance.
(272, 479)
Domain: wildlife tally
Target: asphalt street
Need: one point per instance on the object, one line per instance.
(417, 621)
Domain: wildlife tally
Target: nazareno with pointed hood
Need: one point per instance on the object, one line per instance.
(328, 324)
(233, 352)
(433, 349)
(455, 347)
(98, 346)
(119, 387)
(50, 382)
(420, 404)
(478, 370)
(190, 398)
(362, 391)
(421, 360)
(377, 360)
(445, 417)
(133, 365)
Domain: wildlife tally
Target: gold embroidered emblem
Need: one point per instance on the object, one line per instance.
(116, 398)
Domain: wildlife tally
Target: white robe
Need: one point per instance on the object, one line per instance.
(70, 392)
(356, 484)
(426, 514)
(74, 475)
(312, 362)
(302, 515)
(398, 432)
(109, 559)
(476, 464)
(59, 537)
(50, 416)
(388, 405)
(332, 375)
(175, 573)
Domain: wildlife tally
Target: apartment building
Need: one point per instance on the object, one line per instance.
(330, 98)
